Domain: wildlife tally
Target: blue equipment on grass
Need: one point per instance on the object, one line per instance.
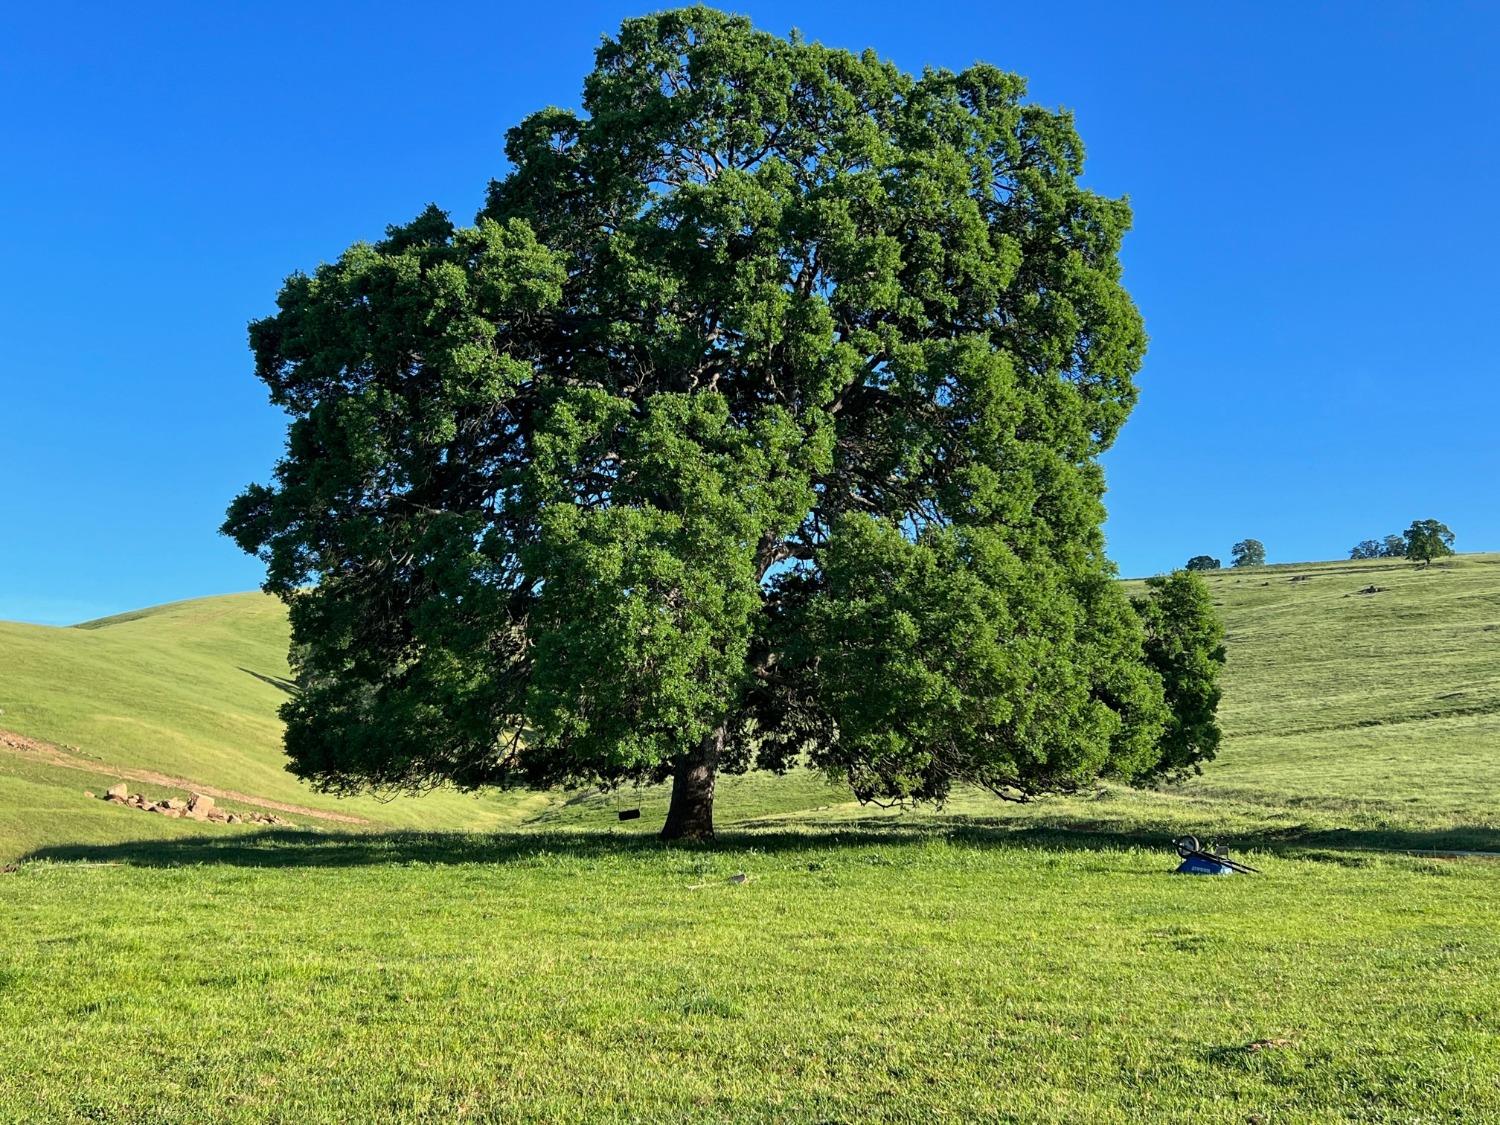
(1198, 860)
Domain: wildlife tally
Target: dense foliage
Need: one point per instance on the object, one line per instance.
(1203, 562)
(756, 418)
(1185, 646)
(1248, 552)
(1423, 541)
(1391, 547)
(1427, 540)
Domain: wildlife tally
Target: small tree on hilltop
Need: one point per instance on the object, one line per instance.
(756, 420)
(1366, 549)
(1427, 540)
(1203, 562)
(1248, 552)
(1393, 547)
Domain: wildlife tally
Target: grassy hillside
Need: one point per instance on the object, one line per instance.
(1351, 718)
(1375, 714)
(1365, 709)
(189, 690)
(983, 962)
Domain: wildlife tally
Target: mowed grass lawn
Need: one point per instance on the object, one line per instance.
(984, 962)
(861, 974)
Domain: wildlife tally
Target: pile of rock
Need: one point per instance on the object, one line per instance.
(199, 806)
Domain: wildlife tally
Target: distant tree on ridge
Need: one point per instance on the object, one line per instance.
(1248, 552)
(1203, 562)
(1427, 540)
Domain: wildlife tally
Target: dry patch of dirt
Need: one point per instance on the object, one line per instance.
(58, 756)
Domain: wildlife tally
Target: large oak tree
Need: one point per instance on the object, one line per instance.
(755, 420)
(1426, 540)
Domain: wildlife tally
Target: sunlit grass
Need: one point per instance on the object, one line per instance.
(858, 975)
(979, 962)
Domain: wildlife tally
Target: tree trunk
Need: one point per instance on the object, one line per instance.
(690, 816)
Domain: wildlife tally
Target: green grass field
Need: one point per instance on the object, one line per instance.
(528, 957)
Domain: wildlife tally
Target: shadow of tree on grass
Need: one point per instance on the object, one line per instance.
(302, 848)
(280, 683)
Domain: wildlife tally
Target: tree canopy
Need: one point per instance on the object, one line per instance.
(1391, 547)
(1203, 562)
(755, 419)
(1423, 541)
(1185, 645)
(1248, 552)
(1427, 540)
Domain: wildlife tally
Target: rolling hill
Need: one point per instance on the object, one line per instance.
(1359, 696)
(184, 696)
(820, 961)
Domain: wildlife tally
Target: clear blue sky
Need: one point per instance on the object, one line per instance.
(1315, 249)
